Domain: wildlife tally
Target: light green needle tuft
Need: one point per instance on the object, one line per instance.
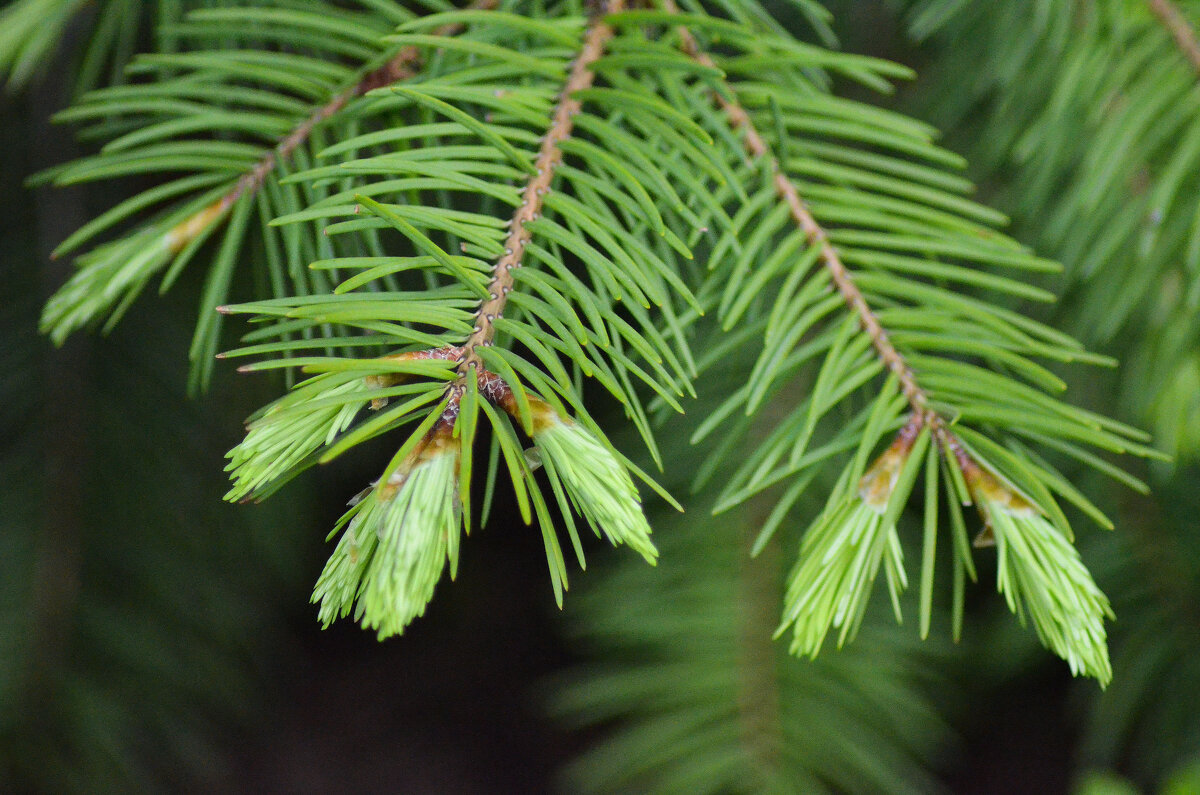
(1040, 573)
(395, 547)
(597, 483)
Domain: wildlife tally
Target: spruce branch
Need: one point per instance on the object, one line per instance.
(549, 157)
(491, 246)
(758, 149)
(596, 481)
(468, 376)
(466, 159)
(856, 534)
(1103, 172)
(401, 66)
(1176, 23)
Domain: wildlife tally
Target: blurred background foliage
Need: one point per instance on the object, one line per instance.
(154, 638)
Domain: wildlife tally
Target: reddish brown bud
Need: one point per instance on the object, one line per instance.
(877, 484)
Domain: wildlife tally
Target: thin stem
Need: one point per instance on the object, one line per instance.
(532, 198)
(758, 148)
(1178, 26)
(400, 66)
(757, 668)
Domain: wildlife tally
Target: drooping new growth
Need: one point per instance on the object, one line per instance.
(844, 548)
(583, 470)
(396, 541)
(595, 481)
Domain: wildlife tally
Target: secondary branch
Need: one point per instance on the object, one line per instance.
(532, 198)
(758, 148)
(400, 66)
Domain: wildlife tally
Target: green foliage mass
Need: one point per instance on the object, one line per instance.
(499, 238)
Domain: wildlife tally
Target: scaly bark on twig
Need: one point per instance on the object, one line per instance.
(532, 198)
(400, 66)
(758, 149)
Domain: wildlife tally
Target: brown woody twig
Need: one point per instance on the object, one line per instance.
(532, 198)
(400, 66)
(758, 149)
